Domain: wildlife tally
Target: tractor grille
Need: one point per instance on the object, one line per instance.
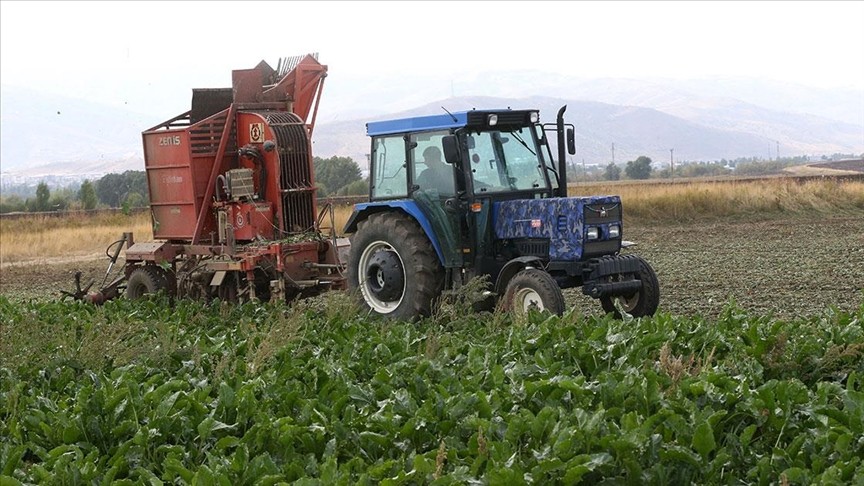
(602, 213)
(533, 247)
(295, 178)
(601, 248)
(505, 118)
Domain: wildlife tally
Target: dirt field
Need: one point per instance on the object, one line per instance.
(784, 268)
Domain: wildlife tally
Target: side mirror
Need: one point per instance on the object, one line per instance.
(571, 141)
(452, 154)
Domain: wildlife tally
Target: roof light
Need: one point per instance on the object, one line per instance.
(493, 120)
(534, 117)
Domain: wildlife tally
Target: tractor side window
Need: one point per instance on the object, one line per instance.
(428, 169)
(388, 173)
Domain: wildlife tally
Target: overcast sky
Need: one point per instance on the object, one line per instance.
(127, 52)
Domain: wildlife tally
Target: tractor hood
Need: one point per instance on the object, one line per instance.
(562, 221)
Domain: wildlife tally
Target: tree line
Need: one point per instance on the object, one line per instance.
(127, 191)
(341, 176)
(334, 176)
(643, 168)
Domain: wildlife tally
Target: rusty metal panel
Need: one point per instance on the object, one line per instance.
(178, 164)
(252, 220)
(206, 102)
(170, 182)
(152, 251)
(247, 85)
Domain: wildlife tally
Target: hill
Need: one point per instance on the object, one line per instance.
(47, 134)
(721, 131)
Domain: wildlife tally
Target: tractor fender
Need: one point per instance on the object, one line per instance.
(362, 211)
(513, 267)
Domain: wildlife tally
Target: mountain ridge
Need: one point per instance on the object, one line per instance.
(45, 133)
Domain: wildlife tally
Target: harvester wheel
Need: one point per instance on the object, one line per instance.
(642, 303)
(532, 288)
(146, 280)
(395, 267)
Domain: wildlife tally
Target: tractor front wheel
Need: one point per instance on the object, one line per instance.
(146, 280)
(532, 288)
(642, 303)
(395, 267)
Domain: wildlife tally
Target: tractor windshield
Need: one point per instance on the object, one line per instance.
(505, 161)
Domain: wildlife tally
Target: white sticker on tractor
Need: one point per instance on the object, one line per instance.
(256, 132)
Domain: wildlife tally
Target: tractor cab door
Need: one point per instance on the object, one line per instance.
(434, 187)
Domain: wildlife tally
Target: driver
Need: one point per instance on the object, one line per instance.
(437, 174)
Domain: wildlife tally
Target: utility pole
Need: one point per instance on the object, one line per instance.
(778, 149)
(671, 162)
(613, 152)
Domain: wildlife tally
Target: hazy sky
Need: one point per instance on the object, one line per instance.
(128, 52)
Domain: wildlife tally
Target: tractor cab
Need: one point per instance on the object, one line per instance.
(449, 166)
(485, 197)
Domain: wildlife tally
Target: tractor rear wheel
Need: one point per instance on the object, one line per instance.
(532, 288)
(146, 280)
(395, 267)
(642, 303)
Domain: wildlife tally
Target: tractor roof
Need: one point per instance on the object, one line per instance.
(445, 121)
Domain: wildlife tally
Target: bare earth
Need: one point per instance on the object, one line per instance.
(783, 268)
(786, 268)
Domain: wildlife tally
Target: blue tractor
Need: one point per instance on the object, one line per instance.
(495, 205)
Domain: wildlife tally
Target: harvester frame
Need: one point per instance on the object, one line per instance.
(232, 195)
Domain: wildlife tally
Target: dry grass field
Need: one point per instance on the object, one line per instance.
(42, 238)
(47, 238)
(752, 199)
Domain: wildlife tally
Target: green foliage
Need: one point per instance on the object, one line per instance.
(13, 203)
(114, 189)
(639, 168)
(359, 187)
(761, 167)
(612, 172)
(87, 195)
(333, 174)
(181, 392)
(43, 197)
(59, 202)
(696, 169)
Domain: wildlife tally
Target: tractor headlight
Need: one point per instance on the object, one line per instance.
(614, 231)
(593, 233)
(534, 117)
(493, 120)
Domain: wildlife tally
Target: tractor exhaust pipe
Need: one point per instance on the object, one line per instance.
(562, 154)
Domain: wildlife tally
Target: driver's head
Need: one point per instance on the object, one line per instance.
(432, 155)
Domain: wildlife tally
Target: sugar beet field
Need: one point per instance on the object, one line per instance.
(751, 373)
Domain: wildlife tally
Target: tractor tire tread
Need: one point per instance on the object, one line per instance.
(419, 258)
(649, 295)
(147, 279)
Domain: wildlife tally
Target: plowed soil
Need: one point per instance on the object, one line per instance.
(782, 268)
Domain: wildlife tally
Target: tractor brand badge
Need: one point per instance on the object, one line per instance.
(256, 132)
(240, 221)
(536, 223)
(602, 212)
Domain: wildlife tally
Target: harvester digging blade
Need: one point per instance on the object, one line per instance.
(79, 293)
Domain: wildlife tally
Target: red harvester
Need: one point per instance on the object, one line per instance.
(232, 195)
